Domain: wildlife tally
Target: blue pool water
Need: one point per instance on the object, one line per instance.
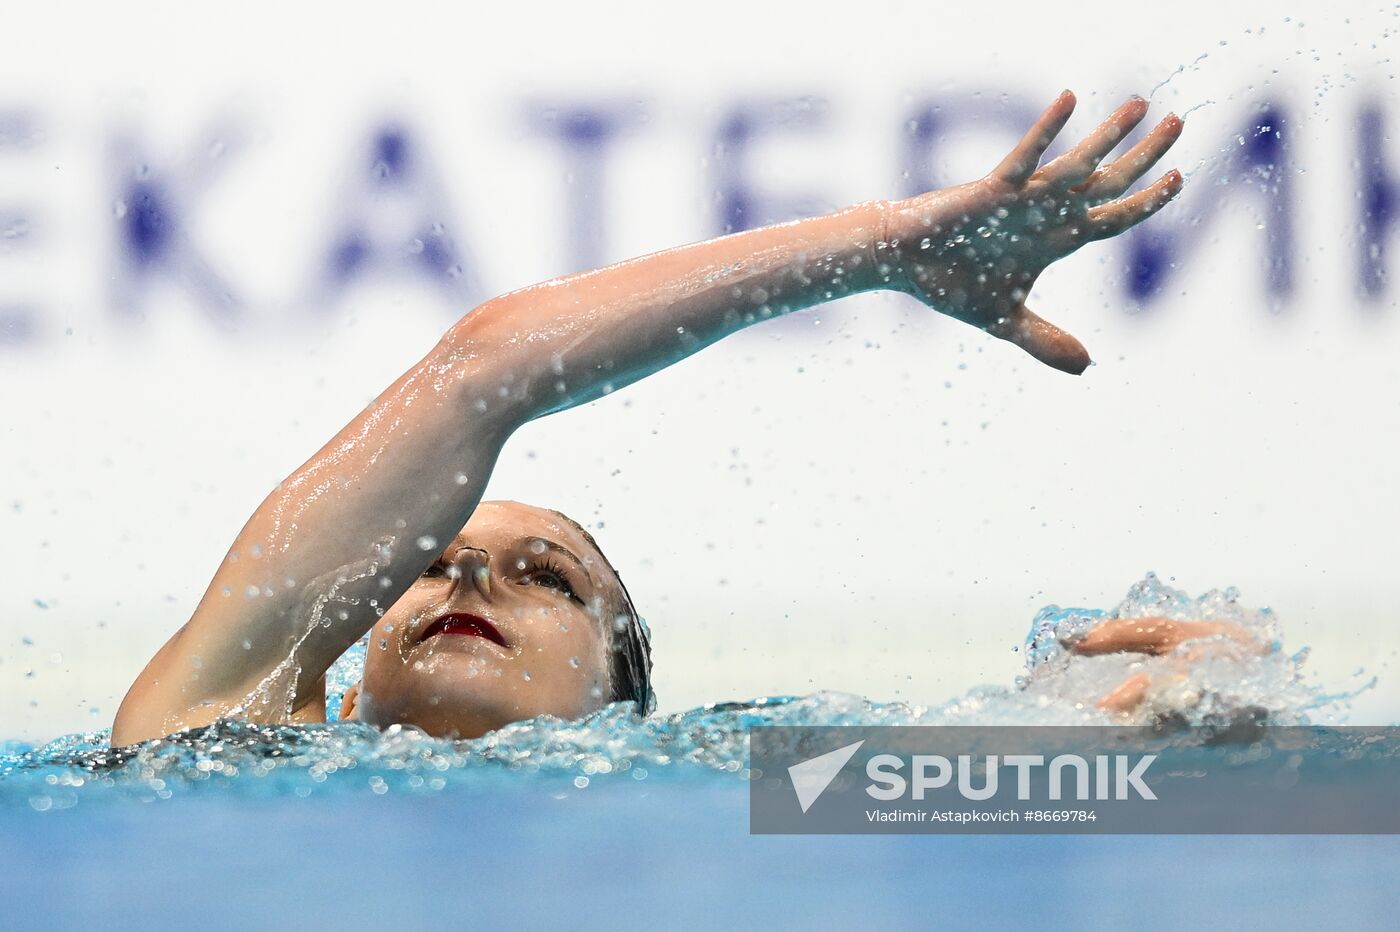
(623, 821)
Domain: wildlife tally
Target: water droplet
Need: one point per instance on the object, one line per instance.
(427, 542)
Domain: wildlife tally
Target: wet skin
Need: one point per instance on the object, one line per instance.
(509, 623)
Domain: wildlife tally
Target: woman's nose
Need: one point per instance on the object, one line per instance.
(475, 564)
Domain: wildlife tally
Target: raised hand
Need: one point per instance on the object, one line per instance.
(974, 251)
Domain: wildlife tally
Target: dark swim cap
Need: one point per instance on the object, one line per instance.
(631, 657)
(629, 640)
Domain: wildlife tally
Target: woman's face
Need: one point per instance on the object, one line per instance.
(511, 622)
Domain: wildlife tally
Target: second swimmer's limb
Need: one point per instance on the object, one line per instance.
(1159, 637)
(1127, 695)
(1154, 636)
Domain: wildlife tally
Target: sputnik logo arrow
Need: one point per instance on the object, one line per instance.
(811, 777)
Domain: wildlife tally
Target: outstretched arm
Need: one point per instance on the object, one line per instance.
(347, 533)
(972, 252)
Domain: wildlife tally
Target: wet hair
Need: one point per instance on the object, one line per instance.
(629, 641)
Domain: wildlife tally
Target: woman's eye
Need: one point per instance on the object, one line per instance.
(548, 579)
(552, 580)
(437, 569)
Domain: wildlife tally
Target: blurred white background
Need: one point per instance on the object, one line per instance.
(224, 229)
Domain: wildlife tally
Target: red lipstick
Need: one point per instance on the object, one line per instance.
(467, 624)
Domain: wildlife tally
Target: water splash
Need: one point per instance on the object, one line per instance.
(251, 760)
(1228, 684)
(1179, 70)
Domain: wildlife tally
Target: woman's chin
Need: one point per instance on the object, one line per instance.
(456, 730)
(442, 714)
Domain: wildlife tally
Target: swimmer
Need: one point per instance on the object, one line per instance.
(484, 613)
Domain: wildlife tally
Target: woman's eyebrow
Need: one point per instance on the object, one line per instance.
(557, 548)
